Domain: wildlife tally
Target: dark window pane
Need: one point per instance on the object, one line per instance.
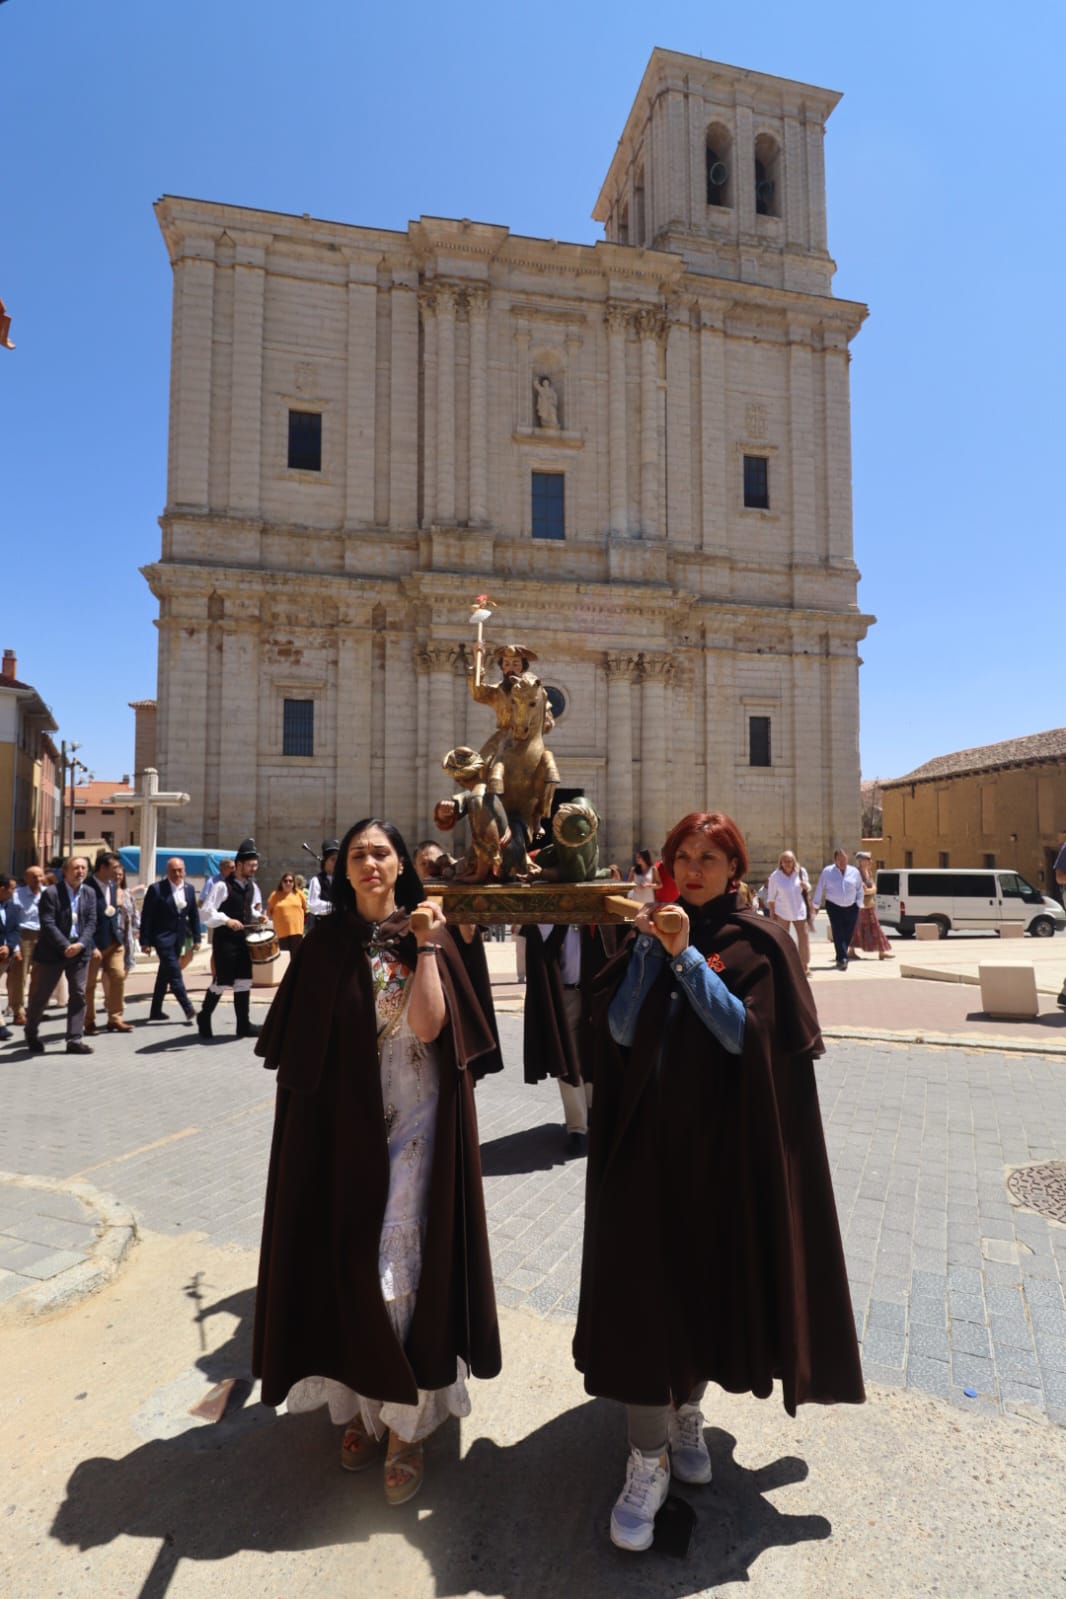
(758, 741)
(549, 514)
(298, 728)
(888, 883)
(305, 440)
(756, 482)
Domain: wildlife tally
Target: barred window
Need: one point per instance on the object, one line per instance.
(298, 728)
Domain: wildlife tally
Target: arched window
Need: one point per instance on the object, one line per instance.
(719, 165)
(767, 178)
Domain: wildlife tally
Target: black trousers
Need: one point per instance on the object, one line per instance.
(169, 976)
(44, 978)
(842, 919)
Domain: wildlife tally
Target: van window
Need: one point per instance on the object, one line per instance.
(888, 883)
(1014, 886)
(972, 885)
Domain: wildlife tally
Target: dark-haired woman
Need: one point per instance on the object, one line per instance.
(375, 1286)
(712, 1250)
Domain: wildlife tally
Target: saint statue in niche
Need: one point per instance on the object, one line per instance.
(547, 404)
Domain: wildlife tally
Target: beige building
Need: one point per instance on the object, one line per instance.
(1000, 805)
(100, 822)
(640, 448)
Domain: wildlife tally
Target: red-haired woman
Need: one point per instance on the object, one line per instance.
(712, 1250)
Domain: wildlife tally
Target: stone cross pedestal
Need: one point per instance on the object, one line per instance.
(150, 800)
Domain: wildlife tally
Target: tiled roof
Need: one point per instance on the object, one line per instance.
(990, 757)
(98, 793)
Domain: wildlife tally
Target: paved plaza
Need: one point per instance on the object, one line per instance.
(957, 1292)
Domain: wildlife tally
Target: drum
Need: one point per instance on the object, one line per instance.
(262, 944)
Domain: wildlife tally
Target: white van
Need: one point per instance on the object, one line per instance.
(974, 901)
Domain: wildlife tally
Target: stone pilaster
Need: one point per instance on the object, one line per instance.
(817, 240)
(619, 843)
(403, 403)
(238, 798)
(361, 407)
(802, 447)
(427, 305)
(714, 480)
(835, 361)
(352, 741)
(617, 319)
(437, 664)
(445, 511)
(679, 518)
(655, 791)
(246, 385)
(477, 299)
(650, 325)
(190, 373)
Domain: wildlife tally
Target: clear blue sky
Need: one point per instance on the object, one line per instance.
(945, 212)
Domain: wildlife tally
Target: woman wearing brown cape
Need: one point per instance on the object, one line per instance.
(712, 1250)
(375, 1285)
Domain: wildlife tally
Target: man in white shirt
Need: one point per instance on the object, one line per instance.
(319, 903)
(786, 898)
(28, 895)
(840, 889)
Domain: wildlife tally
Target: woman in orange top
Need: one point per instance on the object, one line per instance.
(287, 908)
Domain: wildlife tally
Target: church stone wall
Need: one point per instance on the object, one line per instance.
(668, 616)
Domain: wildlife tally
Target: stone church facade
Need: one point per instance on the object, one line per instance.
(639, 448)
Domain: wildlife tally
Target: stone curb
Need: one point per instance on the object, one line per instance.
(930, 974)
(990, 1041)
(116, 1235)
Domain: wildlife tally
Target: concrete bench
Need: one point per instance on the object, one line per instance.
(1008, 989)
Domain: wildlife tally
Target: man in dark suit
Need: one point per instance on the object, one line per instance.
(108, 959)
(68, 925)
(169, 920)
(10, 922)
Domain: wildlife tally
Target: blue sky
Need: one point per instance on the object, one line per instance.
(945, 215)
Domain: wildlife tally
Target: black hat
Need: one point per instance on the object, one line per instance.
(330, 846)
(246, 850)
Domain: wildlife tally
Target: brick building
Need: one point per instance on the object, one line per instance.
(29, 785)
(639, 447)
(999, 805)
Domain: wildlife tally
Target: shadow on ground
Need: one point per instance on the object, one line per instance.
(533, 1149)
(501, 1521)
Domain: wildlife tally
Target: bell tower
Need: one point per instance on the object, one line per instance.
(725, 167)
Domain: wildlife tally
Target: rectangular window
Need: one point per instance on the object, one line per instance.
(298, 728)
(305, 441)
(549, 505)
(945, 858)
(758, 741)
(989, 861)
(79, 832)
(908, 857)
(756, 483)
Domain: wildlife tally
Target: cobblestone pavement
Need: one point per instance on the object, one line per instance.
(954, 1288)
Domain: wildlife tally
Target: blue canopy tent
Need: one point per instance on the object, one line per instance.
(202, 863)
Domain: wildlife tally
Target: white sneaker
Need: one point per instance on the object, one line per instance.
(690, 1459)
(633, 1517)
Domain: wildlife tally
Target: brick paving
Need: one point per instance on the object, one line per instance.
(953, 1286)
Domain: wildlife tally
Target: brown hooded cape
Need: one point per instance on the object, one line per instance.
(712, 1249)
(319, 1308)
(547, 1043)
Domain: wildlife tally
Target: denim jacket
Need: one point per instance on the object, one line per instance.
(720, 1011)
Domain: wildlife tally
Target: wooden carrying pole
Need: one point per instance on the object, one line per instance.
(666, 917)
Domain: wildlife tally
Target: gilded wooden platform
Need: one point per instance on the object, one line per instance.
(520, 904)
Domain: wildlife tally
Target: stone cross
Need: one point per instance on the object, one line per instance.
(150, 800)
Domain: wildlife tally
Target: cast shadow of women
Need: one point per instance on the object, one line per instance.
(529, 1150)
(501, 1521)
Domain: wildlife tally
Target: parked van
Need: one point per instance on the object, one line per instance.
(973, 901)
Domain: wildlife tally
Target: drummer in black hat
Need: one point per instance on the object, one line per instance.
(320, 888)
(230, 910)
